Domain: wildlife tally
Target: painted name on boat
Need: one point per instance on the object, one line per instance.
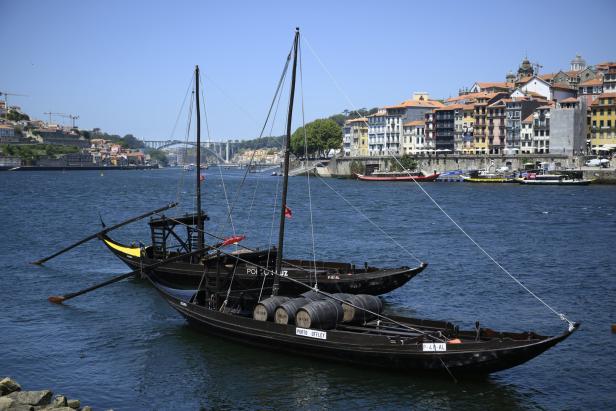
(434, 347)
(305, 332)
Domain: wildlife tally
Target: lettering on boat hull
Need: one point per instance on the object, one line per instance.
(306, 332)
(434, 347)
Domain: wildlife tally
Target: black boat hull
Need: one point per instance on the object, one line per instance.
(380, 351)
(249, 276)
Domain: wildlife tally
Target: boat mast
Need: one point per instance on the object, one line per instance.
(285, 183)
(198, 160)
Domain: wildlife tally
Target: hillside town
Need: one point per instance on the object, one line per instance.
(570, 112)
(56, 145)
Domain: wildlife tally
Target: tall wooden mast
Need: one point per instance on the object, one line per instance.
(198, 160)
(287, 148)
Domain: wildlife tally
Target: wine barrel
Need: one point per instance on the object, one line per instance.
(343, 296)
(285, 312)
(322, 314)
(264, 310)
(365, 301)
(313, 295)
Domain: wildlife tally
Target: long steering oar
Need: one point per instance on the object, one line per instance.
(106, 230)
(58, 299)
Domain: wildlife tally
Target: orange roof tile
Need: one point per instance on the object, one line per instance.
(418, 103)
(597, 81)
(562, 86)
(449, 107)
(569, 100)
(501, 84)
(528, 119)
(547, 76)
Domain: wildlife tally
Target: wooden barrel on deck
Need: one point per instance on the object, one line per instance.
(264, 310)
(365, 301)
(322, 314)
(285, 312)
(313, 295)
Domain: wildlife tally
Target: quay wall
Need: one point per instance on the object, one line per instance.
(341, 167)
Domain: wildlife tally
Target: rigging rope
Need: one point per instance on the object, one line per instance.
(222, 180)
(278, 90)
(314, 253)
(370, 220)
(483, 250)
(181, 179)
(560, 315)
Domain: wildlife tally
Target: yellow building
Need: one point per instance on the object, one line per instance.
(355, 138)
(603, 120)
(465, 119)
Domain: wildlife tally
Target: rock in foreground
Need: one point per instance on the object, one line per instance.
(12, 398)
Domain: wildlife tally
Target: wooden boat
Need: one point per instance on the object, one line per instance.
(414, 346)
(398, 176)
(190, 267)
(248, 274)
(552, 179)
(319, 326)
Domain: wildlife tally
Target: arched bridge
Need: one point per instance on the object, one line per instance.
(223, 150)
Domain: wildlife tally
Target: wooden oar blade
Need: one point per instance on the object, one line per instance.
(56, 299)
(105, 230)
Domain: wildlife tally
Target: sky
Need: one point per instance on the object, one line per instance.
(125, 66)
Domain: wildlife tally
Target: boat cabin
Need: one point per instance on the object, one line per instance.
(175, 234)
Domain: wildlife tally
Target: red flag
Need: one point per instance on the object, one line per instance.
(232, 240)
(201, 177)
(287, 212)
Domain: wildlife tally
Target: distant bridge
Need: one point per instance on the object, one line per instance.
(223, 150)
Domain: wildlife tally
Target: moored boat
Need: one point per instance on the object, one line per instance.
(481, 176)
(248, 273)
(398, 176)
(316, 325)
(332, 326)
(552, 179)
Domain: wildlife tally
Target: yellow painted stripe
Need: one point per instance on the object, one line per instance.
(134, 251)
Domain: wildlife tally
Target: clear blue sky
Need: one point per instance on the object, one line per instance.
(124, 66)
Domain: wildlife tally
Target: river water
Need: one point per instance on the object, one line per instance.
(121, 347)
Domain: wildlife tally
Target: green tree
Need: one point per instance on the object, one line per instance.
(159, 156)
(322, 135)
(408, 162)
(14, 115)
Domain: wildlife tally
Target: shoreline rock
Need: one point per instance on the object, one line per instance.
(13, 398)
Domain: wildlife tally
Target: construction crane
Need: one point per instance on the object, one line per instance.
(536, 67)
(54, 114)
(6, 99)
(73, 118)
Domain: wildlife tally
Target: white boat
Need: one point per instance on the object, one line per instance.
(553, 179)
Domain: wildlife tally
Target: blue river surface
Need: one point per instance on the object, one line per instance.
(122, 347)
